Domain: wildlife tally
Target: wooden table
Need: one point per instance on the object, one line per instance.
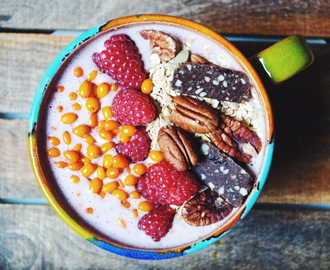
(289, 228)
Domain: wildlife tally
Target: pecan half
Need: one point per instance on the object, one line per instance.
(162, 44)
(193, 115)
(177, 148)
(205, 208)
(230, 137)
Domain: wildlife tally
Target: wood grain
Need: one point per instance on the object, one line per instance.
(24, 58)
(33, 237)
(256, 17)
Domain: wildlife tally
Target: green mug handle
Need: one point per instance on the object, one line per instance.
(283, 60)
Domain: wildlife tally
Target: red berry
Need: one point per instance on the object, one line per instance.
(165, 185)
(121, 60)
(157, 222)
(137, 148)
(131, 107)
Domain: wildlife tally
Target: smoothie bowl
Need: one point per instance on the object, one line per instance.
(151, 136)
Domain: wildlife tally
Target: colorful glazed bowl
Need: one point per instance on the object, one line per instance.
(279, 62)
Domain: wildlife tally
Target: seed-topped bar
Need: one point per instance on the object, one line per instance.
(223, 175)
(210, 81)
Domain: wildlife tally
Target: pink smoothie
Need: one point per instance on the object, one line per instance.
(108, 214)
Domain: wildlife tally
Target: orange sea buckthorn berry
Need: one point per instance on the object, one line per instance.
(123, 138)
(145, 206)
(107, 112)
(113, 172)
(156, 155)
(72, 96)
(122, 222)
(93, 151)
(121, 183)
(126, 204)
(146, 86)
(75, 179)
(101, 173)
(87, 170)
(120, 161)
(91, 76)
(81, 130)
(66, 137)
(102, 90)
(110, 186)
(76, 106)
(85, 89)
(116, 131)
(69, 118)
(93, 120)
(95, 185)
(60, 108)
(71, 155)
(107, 146)
(100, 124)
(85, 160)
(60, 88)
(75, 166)
(89, 210)
(107, 161)
(114, 86)
(135, 194)
(110, 124)
(78, 72)
(92, 104)
(53, 152)
(128, 130)
(139, 169)
(54, 140)
(102, 194)
(88, 139)
(120, 194)
(61, 164)
(77, 147)
(105, 134)
(131, 180)
(135, 213)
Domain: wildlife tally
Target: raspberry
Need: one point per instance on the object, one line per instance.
(137, 148)
(165, 185)
(121, 60)
(157, 222)
(131, 107)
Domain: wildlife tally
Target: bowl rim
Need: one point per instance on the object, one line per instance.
(54, 202)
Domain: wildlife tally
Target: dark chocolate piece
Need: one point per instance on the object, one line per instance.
(207, 80)
(223, 175)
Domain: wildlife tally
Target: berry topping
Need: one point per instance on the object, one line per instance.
(157, 222)
(137, 148)
(165, 185)
(131, 107)
(121, 60)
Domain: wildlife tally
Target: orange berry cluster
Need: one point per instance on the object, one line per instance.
(108, 167)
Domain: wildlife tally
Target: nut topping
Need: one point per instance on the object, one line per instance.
(162, 44)
(193, 115)
(177, 148)
(231, 134)
(205, 208)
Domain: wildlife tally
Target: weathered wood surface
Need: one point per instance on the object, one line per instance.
(257, 17)
(33, 237)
